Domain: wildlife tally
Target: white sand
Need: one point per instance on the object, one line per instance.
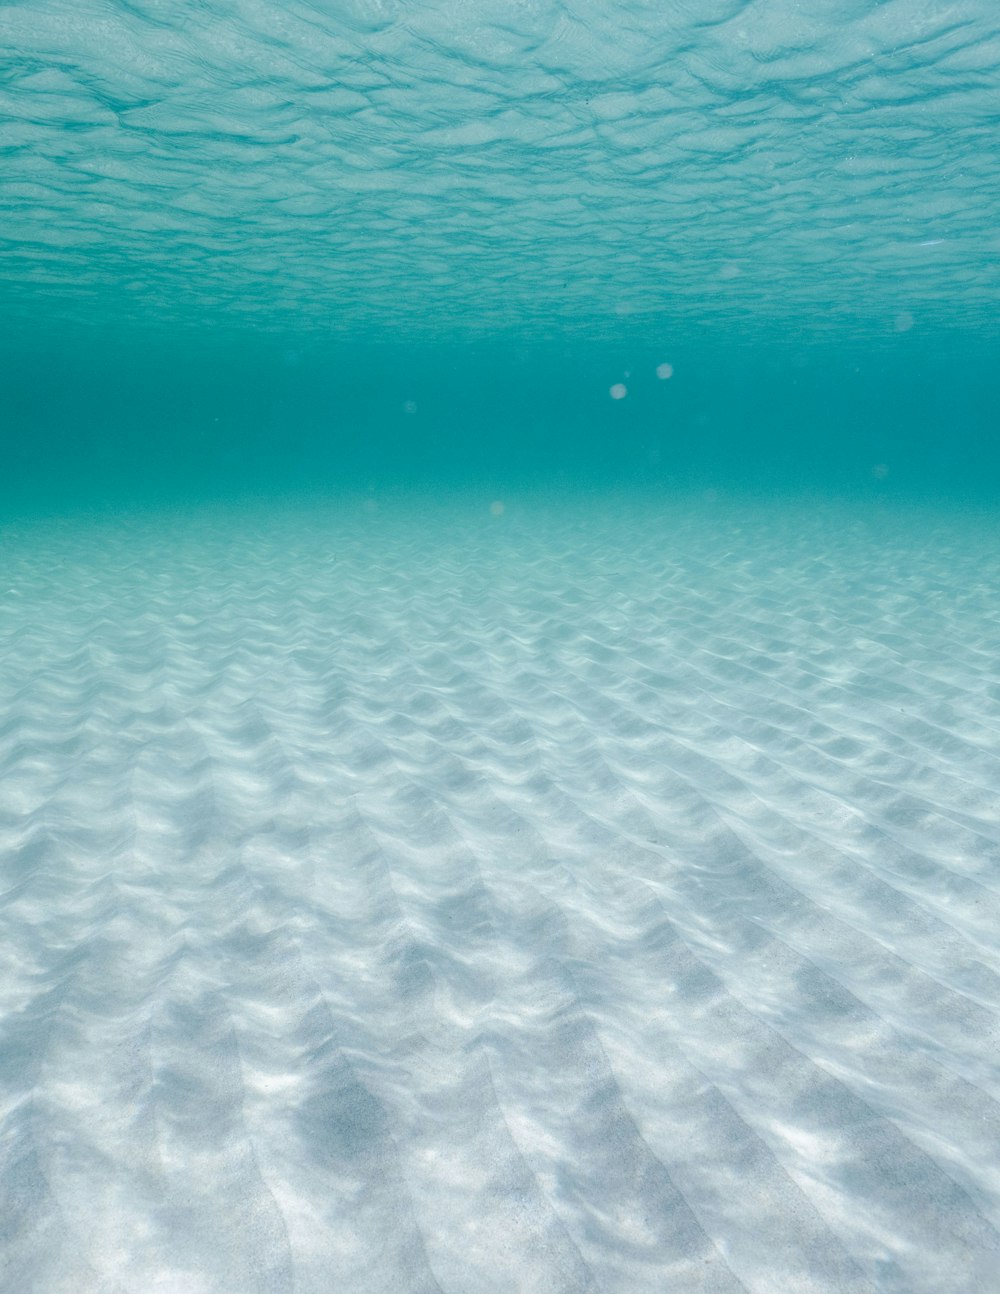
(595, 898)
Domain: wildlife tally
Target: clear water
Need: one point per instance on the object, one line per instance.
(499, 646)
(249, 247)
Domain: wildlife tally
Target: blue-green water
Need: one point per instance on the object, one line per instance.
(499, 647)
(255, 248)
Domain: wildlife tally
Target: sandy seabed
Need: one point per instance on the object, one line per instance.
(600, 896)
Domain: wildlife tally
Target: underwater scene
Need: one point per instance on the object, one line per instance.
(500, 647)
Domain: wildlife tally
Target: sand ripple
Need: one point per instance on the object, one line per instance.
(583, 899)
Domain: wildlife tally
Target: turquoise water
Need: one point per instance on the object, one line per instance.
(499, 647)
(350, 246)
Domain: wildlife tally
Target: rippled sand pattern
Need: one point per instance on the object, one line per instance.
(427, 900)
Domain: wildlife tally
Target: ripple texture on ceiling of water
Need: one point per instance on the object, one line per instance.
(357, 167)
